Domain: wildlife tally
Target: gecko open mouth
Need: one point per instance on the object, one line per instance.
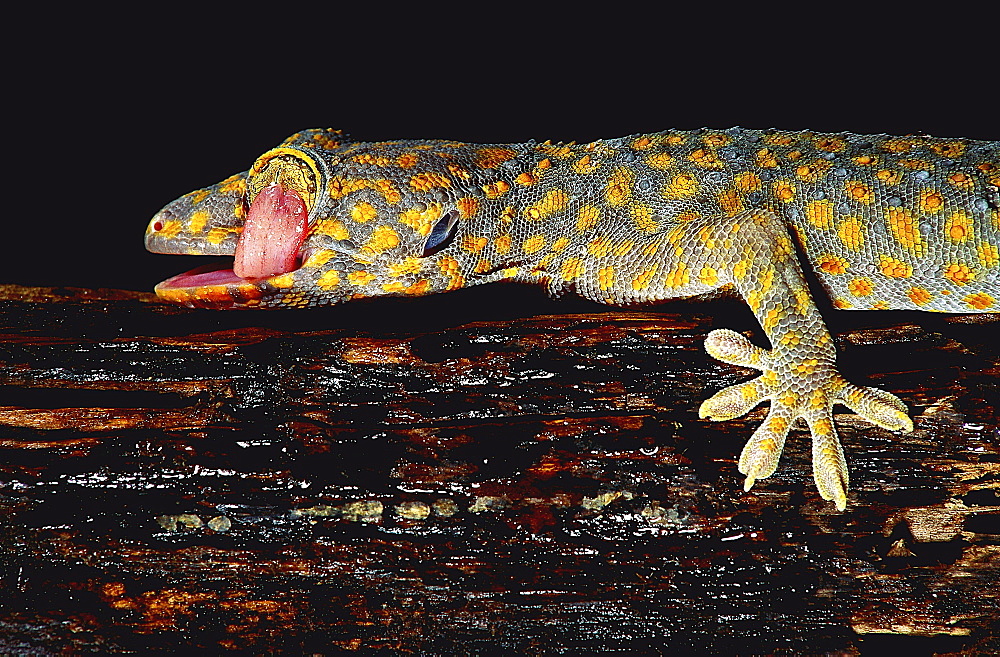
(269, 245)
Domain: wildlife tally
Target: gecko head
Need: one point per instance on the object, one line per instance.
(320, 220)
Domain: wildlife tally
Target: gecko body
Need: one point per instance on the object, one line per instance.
(882, 222)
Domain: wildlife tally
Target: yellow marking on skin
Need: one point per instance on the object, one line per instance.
(319, 258)
(618, 190)
(492, 157)
(791, 339)
(716, 139)
(473, 243)
(451, 268)
(641, 282)
(218, 234)
(708, 276)
(879, 305)
(382, 239)
(573, 268)
(931, 201)
(747, 182)
(961, 180)
(458, 171)
(560, 244)
(483, 266)
(526, 179)
(959, 273)
(893, 267)
(606, 278)
(624, 248)
(989, 255)
(661, 161)
(587, 218)
(830, 144)
(585, 165)
(410, 265)
(197, 222)
(642, 143)
(919, 295)
(653, 248)
(859, 191)
(339, 187)
(198, 196)
(706, 237)
(428, 180)
(948, 149)
(555, 151)
(679, 276)
(766, 158)
(170, 229)
(832, 264)
(502, 244)
(681, 186)
(644, 219)
(394, 287)
(676, 139)
(784, 190)
(363, 212)
(741, 268)
(802, 300)
(407, 160)
(233, 185)
(861, 287)
(979, 301)
(283, 281)
(239, 211)
(544, 164)
(467, 206)
(388, 190)
(807, 367)
(507, 216)
(820, 213)
(731, 202)
(769, 378)
(958, 227)
(705, 159)
(328, 280)
(421, 222)
(533, 244)
(772, 318)
(898, 145)
(371, 159)
(814, 171)
(889, 177)
(866, 160)
(904, 228)
(599, 247)
(510, 272)
(842, 303)
(555, 200)
(794, 155)
(496, 189)
(851, 232)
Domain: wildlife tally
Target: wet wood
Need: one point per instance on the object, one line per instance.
(439, 477)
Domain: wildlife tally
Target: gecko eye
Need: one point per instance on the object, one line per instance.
(442, 234)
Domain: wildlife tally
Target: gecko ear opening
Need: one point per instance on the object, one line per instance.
(442, 234)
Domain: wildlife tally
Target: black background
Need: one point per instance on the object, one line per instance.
(113, 116)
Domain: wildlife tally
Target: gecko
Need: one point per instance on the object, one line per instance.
(880, 221)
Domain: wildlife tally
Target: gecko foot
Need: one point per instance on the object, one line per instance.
(796, 388)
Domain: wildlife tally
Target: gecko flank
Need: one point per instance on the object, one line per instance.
(883, 222)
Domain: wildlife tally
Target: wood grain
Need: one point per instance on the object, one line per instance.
(416, 477)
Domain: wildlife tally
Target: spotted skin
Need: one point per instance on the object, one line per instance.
(882, 222)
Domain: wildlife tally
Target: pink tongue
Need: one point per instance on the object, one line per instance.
(274, 230)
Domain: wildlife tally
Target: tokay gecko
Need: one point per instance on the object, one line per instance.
(882, 222)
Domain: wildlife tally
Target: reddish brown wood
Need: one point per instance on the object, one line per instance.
(419, 477)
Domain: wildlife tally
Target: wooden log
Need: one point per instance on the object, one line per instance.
(452, 476)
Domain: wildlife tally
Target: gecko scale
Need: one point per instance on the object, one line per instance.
(883, 222)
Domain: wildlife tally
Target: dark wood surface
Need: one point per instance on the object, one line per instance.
(414, 477)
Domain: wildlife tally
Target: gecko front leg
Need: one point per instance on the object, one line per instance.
(798, 375)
